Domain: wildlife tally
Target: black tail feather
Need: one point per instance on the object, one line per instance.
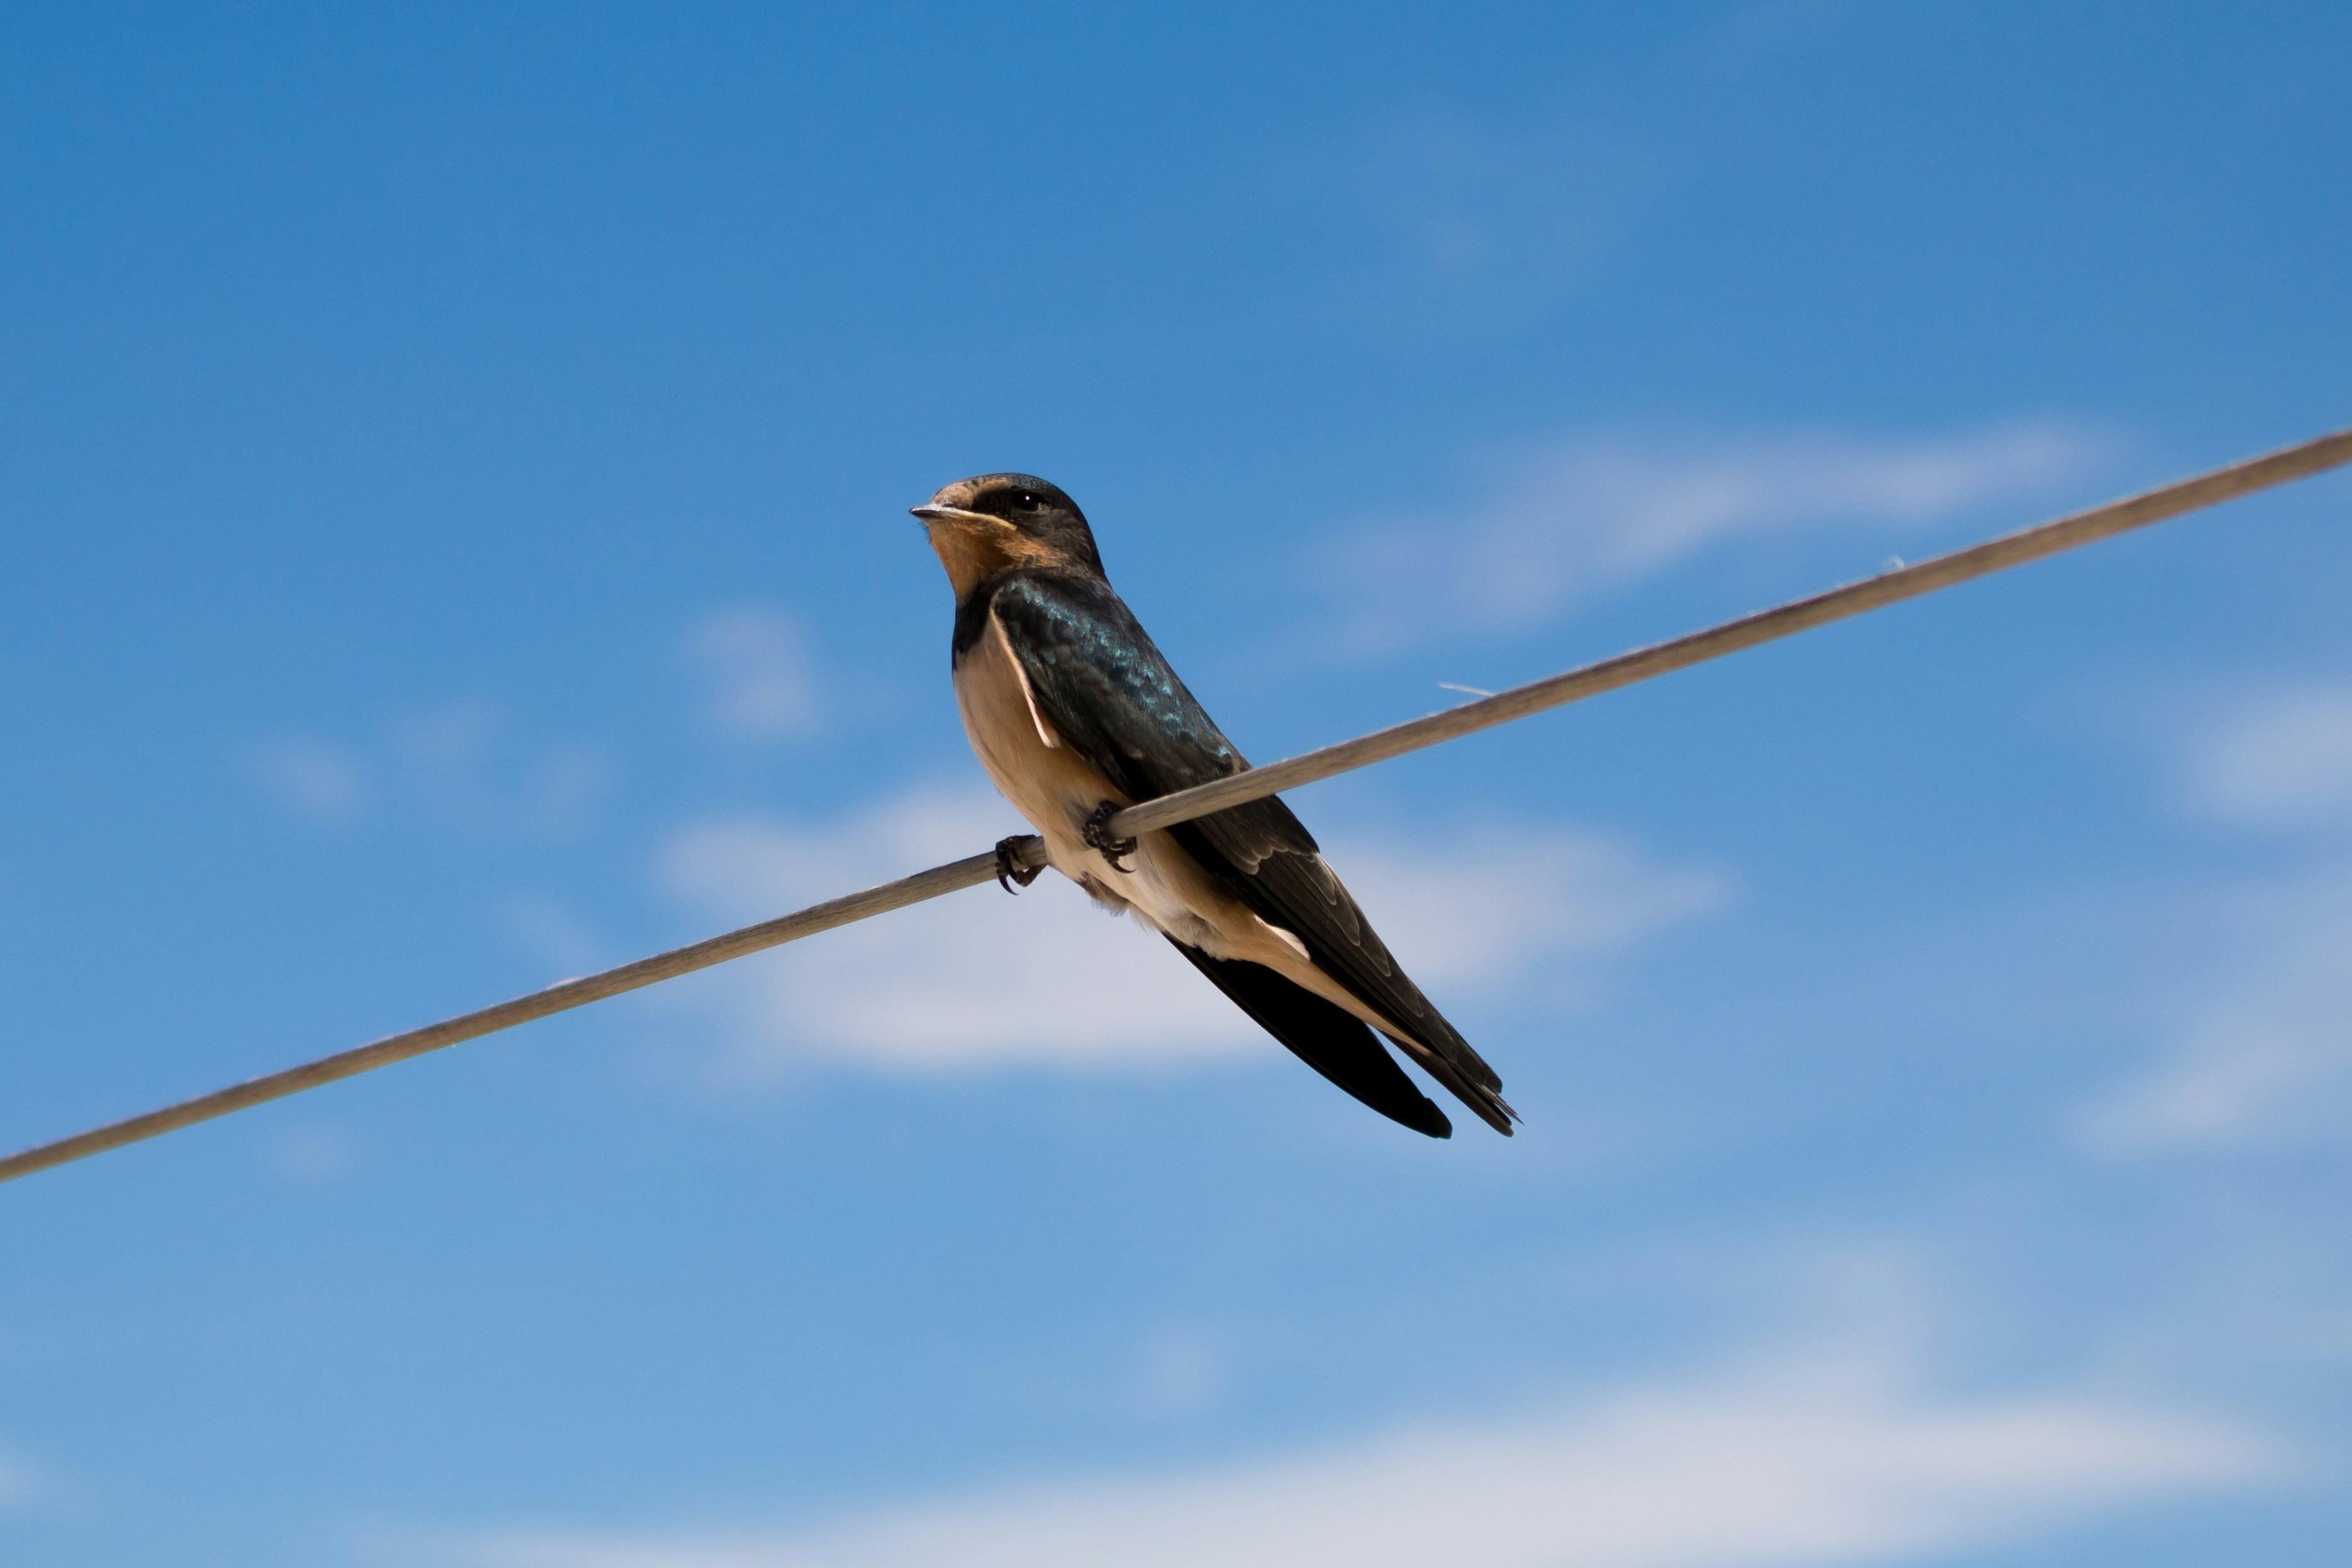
(1487, 1103)
(1329, 1038)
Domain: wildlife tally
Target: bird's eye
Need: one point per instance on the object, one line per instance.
(1026, 501)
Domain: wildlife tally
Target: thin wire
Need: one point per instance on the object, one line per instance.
(1589, 680)
(1765, 626)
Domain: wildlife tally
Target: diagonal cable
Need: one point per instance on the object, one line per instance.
(1928, 576)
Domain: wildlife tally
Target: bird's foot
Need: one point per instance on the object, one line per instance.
(1010, 870)
(1096, 835)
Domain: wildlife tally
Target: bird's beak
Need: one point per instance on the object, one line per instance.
(932, 512)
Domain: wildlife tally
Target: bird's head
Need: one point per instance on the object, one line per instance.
(998, 522)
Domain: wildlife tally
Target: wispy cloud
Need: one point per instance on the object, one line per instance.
(1835, 1456)
(1184, 1371)
(553, 931)
(978, 981)
(2274, 756)
(762, 682)
(20, 1484)
(462, 764)
(2264, 1055)
(312, 778)
(1585, 517)
(2268, 1056)
(311, 1155)
(1457, 225)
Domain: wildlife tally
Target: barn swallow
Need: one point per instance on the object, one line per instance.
(1075, 713)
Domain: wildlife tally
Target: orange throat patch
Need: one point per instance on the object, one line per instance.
(973, 553)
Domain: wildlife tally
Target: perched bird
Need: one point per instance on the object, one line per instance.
(1075, 714)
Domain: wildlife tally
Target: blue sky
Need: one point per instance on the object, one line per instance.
(454, 467)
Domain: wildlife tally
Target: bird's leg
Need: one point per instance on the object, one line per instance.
(1096, 835)
(1009, 867)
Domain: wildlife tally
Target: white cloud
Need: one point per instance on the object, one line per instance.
(1184, 1371)
(553, 931)
(763, 685)
(310, 1154)
(977, 980)
(1593, 515)
(1456, 223)
(2279, 756)
(1473, 902)
(2269, 1056)
(319, 780)
(459, 764)
(1835, 1458)
(2264, 1055)
(19, 1482)
(462, 763)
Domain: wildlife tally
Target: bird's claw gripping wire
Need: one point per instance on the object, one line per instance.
(1010, 870)
(1096, 835)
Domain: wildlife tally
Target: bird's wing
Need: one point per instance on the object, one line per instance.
(1112, 699)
